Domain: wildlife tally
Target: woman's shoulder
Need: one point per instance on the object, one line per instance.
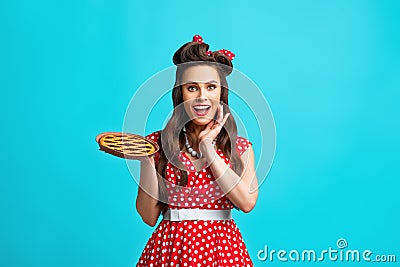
(242, 144)
(153, 136)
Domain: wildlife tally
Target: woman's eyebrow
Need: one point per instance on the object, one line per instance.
(192, 82)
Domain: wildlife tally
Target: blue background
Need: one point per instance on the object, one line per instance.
(329, 70)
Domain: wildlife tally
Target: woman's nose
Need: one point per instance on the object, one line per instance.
(203, 92)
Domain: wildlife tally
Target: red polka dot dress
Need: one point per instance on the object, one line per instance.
(196, 242)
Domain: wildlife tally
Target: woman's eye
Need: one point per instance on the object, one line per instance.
(212, 87)
(192, 88)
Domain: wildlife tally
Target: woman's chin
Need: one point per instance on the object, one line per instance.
(201, 121)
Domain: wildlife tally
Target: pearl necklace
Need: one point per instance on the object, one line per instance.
(193, 152)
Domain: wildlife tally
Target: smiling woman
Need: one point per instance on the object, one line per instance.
(202, 170)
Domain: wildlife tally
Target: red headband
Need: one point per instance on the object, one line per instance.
(198, 39)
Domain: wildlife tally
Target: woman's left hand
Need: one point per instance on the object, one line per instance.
(214, 127)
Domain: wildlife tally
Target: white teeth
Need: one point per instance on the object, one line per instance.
(201, 107)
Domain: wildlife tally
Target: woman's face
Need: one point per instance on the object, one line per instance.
(201, 91)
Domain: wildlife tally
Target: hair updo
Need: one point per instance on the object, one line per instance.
(194, 51)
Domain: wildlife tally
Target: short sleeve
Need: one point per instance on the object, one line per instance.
(154, 137)
(242, 144)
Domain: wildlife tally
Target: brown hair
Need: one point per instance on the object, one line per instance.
(191, 54)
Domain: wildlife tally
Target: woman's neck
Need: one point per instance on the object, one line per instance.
(194, 130)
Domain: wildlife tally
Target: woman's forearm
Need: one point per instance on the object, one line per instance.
(147, 198)
(235, 188)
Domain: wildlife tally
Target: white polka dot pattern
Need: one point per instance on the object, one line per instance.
(196, 243)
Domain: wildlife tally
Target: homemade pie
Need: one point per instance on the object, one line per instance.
(126, 145)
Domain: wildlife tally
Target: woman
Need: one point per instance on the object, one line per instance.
(202, 170)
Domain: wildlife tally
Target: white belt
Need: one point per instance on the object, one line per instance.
(197, 214)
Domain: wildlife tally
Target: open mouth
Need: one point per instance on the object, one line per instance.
(201, 110)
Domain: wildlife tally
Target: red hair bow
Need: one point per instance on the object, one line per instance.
(198, 39)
